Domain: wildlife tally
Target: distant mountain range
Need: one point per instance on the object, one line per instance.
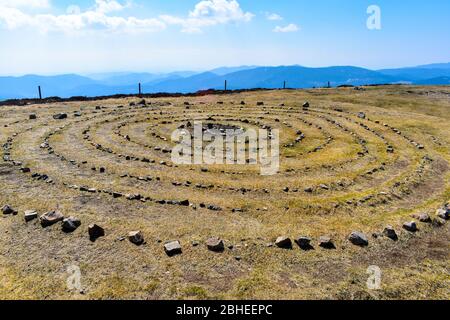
(244, 77)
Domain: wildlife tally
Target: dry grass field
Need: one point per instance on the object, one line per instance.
(107, 164)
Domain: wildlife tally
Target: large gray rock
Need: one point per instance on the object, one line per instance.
(60, 116)
(172, 248)
(423, 217)
(7, 209)
(410, 226)
(390, 233)
(136, 237)
(304, 243)
(326, 242)
(70, 224)
(443, 213)
(50, 218)
(30, 215)
(95, 232)
(358, 239)
(283, 242)
(215, 244)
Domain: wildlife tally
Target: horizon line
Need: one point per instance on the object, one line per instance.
(199, 71)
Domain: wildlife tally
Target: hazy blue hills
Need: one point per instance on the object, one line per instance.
(420, 73)
(435, 81)
(26, 86)
(243, 77)
(436, 66)
(226, 70)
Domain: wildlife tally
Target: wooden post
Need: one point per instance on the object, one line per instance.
(140, 89)
(284, 85)
(40, 93)
(329, 86)
(225, 85)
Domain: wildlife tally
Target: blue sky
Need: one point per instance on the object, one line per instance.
(90, 36)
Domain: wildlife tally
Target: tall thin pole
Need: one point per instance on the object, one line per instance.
(225, 85)
(284, 85)
(140, 89)
(40, 93)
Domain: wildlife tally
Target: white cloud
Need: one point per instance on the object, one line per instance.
(289, 28)
(106, 6)
(273, 16)
(205, 13)
(25, 3)
(73, 9)
(210, 13)
(91, 20)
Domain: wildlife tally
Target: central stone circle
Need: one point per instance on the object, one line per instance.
(215, 129)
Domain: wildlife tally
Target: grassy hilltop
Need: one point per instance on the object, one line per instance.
(108, 164)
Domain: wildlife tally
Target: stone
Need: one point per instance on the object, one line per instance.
(306, 105)
(50, 218)
(95, 232)
(195, 243)
(410, 226)
(260, 103)
(361, 115)
(423, 217)
(70, 224)
(304, 243)
(136, 237)
(7, 209)
(184, 203)
(283, 242)
(215, 244)
(443, 213)
(172, 248)
(30, 215)
(326, 242)
(390, 233)
(358, 239)
(60, 116)
(438, 222)
(32, 116)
